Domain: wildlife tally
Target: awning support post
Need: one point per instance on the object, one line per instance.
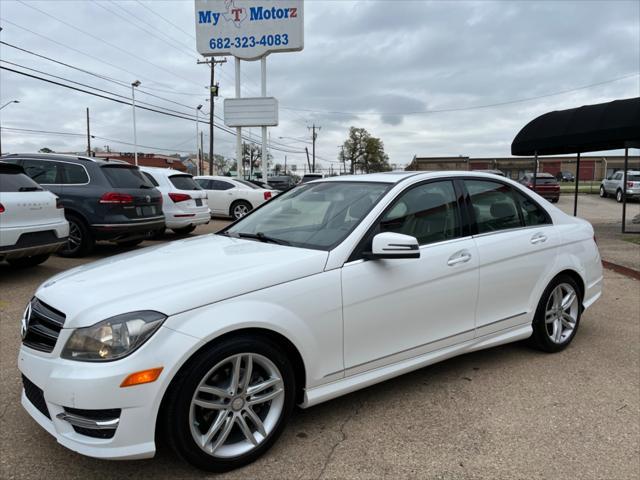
(624, 190)
(575, 194)
(535, 170)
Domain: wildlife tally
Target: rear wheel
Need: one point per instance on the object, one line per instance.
(184, 230)
(230, 405)
(28, 261)
(80, 242)
(558, 315)
(619, 196)
(239, 209)
(603, 192)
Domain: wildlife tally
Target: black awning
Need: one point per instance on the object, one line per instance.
(591, 128)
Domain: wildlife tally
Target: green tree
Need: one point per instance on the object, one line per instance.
(364, 152)
(46, 150)
(252, 158)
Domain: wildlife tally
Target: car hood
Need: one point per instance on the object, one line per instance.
(175, 277)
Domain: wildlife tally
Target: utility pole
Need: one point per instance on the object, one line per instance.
(314, 135)
(306, 149)
(213, 92)
(198, 146)
(285, 164)
(202, 149)
(133, 105)
(88, 135)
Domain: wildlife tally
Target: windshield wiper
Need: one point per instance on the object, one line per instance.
(262, 237)
(145, 186)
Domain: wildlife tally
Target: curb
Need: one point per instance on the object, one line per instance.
(629, 272)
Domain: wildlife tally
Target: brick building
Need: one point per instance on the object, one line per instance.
(592, 167)
(146, 159)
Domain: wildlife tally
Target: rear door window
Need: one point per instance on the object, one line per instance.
(184, 182)
(17, 182)
(125, 177)
(220, 185)
(43, 172)
(494, 206)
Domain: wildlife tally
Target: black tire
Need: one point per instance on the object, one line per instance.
(177, 402)
(184, 230)
(130, 243)
(239, 206)
(619, 196)
(82, 243)
(603, 192)
(540, 338)
(28, 261)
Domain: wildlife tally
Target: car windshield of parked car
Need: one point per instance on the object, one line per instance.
(184, 182)
(317, 216)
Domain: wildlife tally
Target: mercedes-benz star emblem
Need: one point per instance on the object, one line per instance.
(24, 324)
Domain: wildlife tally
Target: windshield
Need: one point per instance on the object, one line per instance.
(317, 216)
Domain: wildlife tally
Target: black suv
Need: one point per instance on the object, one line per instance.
(102, 200)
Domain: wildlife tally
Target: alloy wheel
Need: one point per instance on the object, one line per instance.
(236, 405)
(240, 210)
(561, 314)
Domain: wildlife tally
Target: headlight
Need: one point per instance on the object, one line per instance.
(113, 338)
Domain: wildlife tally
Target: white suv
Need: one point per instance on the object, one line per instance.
(612, 185)
(184, 203)
(32, 223)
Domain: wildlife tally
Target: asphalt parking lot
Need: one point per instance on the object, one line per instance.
(509, 412)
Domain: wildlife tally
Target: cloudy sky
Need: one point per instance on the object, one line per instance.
(423, 76)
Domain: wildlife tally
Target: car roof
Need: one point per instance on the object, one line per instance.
(169, 172)
(51, 156)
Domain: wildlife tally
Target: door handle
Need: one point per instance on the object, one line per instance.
(462, 256)
(538, 238)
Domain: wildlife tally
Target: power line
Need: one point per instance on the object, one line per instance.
(474, 107)
(166, 20)
(70, 25)
(127, 102)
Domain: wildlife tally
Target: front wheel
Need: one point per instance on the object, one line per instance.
(239, 209)
(557, 316)
(229, 406)
(619, 196)
(603, 192)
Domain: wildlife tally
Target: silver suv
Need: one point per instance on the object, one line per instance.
(612, 185)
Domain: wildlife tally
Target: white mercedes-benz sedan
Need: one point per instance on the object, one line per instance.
(208, 343)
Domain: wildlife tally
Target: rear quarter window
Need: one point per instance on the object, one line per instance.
(125, 177)
(73, 174)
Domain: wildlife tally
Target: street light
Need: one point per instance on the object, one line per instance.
(8, 103)
(133, 104)
(198, 139)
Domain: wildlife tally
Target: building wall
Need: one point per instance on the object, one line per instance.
(146, 159)
(593, 168)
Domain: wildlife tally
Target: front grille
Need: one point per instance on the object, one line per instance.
(35, 396)
(43, 326)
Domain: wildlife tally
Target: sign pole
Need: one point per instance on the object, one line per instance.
(263, 74)
(238, 129)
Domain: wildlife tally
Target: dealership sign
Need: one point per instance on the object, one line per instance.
(249, 29)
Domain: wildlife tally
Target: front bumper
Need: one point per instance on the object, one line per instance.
(96, 386)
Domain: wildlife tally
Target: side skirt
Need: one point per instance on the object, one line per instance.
(352, 383)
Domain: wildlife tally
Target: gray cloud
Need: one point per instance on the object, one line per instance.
(374, 61)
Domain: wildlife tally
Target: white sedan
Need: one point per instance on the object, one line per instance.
(184, 203)
(32, 223)
(330, 287)
(233, 197)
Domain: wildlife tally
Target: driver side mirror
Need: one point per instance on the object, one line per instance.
(393, 245)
